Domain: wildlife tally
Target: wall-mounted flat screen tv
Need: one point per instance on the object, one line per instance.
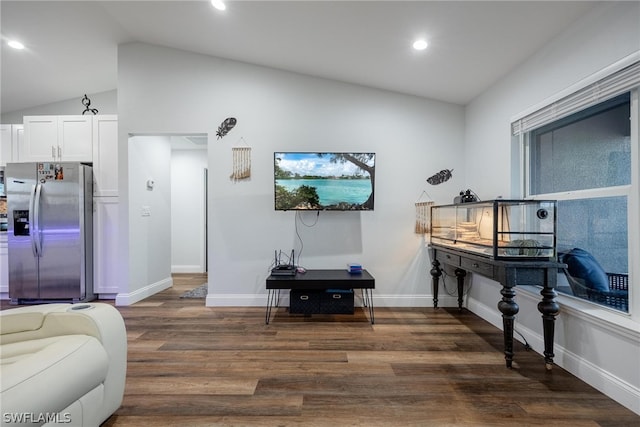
(324, 181)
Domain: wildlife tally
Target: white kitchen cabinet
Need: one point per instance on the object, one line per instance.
(57, 139)
(11, 137)
(5, 145)
(4, 267)
(105, 245)
(17, 139)
(105, 155)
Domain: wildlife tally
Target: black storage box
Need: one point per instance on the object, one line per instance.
(331, 301)
(337, 301)
(304, 302)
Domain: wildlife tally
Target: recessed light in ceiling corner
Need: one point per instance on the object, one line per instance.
(218, 4)
(15, 44)
(420, 44)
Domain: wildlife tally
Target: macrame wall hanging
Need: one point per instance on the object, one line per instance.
(423, 215)
(241, 162)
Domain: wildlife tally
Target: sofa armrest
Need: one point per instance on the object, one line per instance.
(25, 319)
(49, 320)
(105, 323)
(100, 320)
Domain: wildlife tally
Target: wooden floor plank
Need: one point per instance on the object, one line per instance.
(184, 385)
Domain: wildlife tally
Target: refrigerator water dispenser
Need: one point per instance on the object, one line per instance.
(21, 223)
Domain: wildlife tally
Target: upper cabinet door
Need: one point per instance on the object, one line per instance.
(11, 137)
(40, 139)
(57, 138)
(75, 138)
(17, 139)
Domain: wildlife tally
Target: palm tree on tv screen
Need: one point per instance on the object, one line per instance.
(361, 160)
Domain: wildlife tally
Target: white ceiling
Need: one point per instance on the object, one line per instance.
(71, 47)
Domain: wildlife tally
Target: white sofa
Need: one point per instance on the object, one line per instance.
(61, 364)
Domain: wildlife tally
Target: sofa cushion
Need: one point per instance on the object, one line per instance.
(582, 265)
(69, 366)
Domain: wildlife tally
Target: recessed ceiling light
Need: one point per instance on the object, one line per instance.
(420, 44)
(218, 4)
(15, 44)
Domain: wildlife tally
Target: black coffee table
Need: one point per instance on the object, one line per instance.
(321, 280)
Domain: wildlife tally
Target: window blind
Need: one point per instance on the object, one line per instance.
(612, 85)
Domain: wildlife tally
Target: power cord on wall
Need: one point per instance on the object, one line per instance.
(526, 344)
(298, 218)
(454, 293)
(284, 258)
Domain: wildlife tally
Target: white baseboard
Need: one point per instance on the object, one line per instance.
(179, 269)
(236, 300)
(615, 387)
(129, 298)
(109, 290)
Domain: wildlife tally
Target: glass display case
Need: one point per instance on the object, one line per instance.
(498, 229)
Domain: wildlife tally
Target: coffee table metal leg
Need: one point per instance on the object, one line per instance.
(273, 297)
(367, 297)
(268, 310)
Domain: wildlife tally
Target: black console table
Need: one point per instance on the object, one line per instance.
(508, 273)
(321, 280)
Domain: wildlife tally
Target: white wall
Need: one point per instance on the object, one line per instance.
(598, 346)
(188, 210)
(104, 102)
(149, 217)
(167, 91)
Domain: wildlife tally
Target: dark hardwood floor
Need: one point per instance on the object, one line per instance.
(191, 365)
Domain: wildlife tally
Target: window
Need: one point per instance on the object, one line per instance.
(589, 149)
(583, 158)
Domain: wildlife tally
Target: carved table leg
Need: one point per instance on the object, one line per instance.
(509, 309)
(436, 272)
(549, 309)
(460, 274)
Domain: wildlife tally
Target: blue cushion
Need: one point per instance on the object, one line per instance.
(582, 265)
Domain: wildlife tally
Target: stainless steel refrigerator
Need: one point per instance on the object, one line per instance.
(50, 232)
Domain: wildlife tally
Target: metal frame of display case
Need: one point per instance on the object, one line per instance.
(500, 228)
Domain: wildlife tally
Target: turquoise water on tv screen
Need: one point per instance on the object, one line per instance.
(333, 191)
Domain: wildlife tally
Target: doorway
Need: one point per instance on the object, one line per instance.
(189, 203)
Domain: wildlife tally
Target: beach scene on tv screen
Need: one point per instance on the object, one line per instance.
(324, 181)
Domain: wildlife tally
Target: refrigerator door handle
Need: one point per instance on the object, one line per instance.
(32, 197)
(37, 235)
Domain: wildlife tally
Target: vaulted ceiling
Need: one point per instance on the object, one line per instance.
(71, 46)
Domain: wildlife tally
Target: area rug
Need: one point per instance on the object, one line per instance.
(199, 292)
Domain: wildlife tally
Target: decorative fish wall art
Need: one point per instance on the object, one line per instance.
(442, 176)
(226, 126)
